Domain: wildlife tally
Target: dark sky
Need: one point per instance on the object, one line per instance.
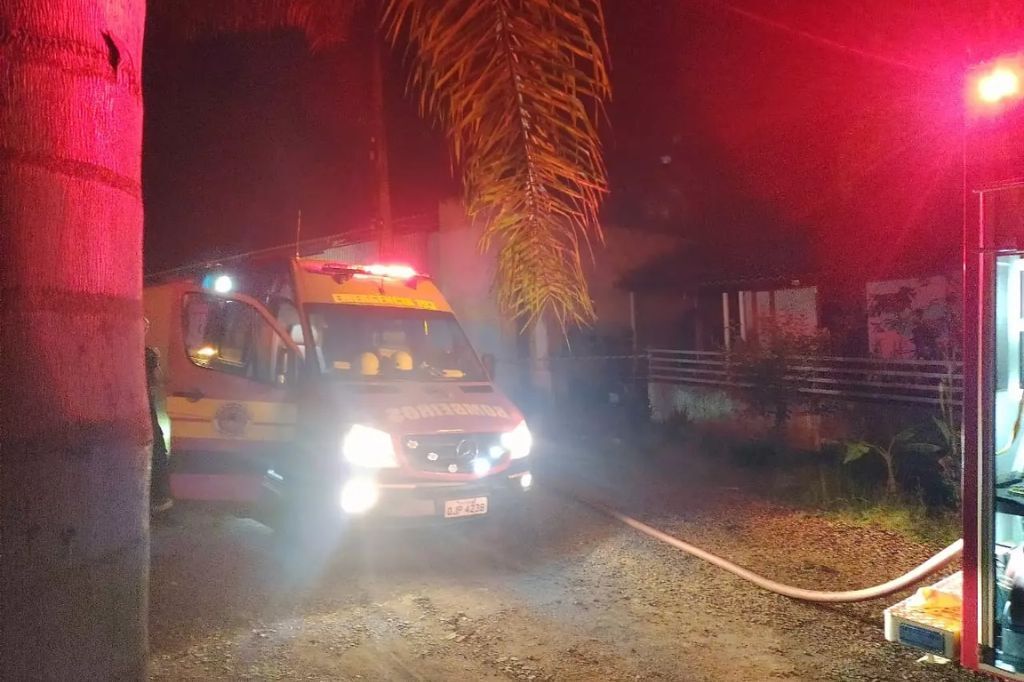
(823, 126)
(829, 126)
(244, 131)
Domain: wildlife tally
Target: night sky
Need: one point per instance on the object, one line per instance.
(829, 129)
(243, 132)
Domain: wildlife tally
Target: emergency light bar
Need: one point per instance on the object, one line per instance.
(219, 282)
(390, 271)
(387, 271)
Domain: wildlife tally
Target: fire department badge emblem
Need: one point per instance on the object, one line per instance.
(231, 419)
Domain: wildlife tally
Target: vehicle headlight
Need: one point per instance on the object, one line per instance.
(359, 495)
(518, 441)
(364, 446)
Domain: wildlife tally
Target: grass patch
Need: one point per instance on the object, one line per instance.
(815, 482)
(908, 518)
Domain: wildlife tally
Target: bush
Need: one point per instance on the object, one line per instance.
(768, 369)
(906, 516)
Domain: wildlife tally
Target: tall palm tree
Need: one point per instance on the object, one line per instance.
(74, 537)
(517, 86)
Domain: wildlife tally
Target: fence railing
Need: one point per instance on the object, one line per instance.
(904, 381)
(610, 372)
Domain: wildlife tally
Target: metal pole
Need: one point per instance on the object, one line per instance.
(632, 320)
(632, 328)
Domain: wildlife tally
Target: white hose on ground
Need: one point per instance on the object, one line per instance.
(916, 575)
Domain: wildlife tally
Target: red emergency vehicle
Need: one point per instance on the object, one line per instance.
(993, 494)
(978, 616)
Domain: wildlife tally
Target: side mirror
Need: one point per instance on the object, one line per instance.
(490, 365)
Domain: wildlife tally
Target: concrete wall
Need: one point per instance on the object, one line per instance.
(466, 275)
(623, 250)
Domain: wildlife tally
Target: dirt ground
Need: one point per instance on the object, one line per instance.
(569, 595)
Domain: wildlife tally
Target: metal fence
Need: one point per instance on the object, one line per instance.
(898, 381)
(600, 375)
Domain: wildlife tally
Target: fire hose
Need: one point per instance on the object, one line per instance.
(912, 577)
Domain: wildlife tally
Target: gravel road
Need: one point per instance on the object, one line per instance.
(567, 595)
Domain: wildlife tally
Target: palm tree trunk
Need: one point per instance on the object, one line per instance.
(74, 535)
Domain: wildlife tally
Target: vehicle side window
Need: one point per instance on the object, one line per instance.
(288, 318)
(229, 336)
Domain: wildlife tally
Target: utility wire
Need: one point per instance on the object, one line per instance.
(819, 40)
(415, 224)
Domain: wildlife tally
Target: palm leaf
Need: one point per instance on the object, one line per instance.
(517, 86)
(855, 450)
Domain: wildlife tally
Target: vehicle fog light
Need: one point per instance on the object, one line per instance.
(481, 466)
(526, 480)
(359, 495)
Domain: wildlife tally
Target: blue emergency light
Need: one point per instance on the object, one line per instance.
(219, 282)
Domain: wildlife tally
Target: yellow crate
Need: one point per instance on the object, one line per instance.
(930, 619)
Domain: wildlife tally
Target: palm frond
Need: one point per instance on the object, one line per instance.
(518, 86)
(324, 22)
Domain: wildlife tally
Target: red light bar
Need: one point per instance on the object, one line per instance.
(391, 271)
(374, 270)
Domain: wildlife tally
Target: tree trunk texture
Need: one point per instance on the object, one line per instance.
(74, 433)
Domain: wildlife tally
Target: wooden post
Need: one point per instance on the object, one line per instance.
(725, 321)
(741, 304)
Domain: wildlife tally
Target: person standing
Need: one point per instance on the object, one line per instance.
(159, 477)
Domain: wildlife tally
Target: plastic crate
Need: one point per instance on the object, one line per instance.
(923, 624)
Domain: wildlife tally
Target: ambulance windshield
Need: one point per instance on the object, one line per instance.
(360, 343)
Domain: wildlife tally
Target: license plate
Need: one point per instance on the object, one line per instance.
(469, 507)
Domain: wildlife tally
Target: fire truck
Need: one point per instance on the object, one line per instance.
(978, 615)
(300, 390)
(993, 496)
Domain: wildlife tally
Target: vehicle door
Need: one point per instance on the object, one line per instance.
(231, 396)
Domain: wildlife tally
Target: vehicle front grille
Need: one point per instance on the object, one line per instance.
(452, 453)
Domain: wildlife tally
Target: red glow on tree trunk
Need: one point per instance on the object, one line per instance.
(73, 423)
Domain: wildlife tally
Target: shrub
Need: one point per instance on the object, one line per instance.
(904, 443)
(769, 371)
